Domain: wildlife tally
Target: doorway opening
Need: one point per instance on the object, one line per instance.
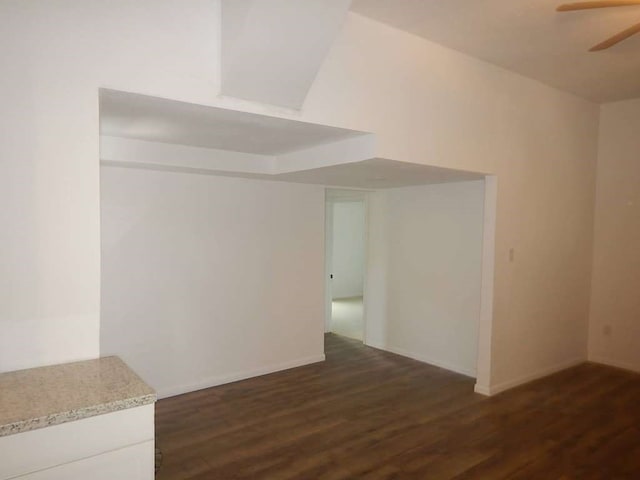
(346, 233)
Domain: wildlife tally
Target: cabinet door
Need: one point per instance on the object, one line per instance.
(49, 447)
(130, 463)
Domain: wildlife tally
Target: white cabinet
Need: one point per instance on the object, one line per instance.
(113, 446)
(130, 463)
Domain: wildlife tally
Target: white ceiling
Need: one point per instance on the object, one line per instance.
(528, 37)
(154, 119)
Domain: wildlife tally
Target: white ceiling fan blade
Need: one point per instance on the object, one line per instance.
(568, 7)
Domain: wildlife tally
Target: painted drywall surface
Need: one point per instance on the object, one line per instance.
(55, 56)
(426, 104)
(256, 43)
(432, 249)
(377, 265)
(348, 249)
(205, 277)
(431, 105)
(614, 334)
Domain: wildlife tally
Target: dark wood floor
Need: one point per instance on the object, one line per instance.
(368, 414)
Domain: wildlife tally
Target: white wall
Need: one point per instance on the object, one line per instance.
(431, 249)
(426, 103)
(256, 38)
(209, 279)
(614, 334)
(443, 108)
(348, 249)
(56, 54)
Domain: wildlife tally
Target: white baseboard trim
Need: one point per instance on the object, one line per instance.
(614, 363)
(424, 359)
(482, 389)
(509, 384)
(234, 377)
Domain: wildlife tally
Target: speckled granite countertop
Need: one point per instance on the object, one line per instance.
(45, 396)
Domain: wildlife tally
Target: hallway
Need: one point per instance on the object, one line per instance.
(347, 317)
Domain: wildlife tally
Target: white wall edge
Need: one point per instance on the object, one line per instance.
(482, 389)
(365, 270)
(614, 363)
(421, 358)
(328, 260)
(485, 321)
(504, 386)
(237, 376)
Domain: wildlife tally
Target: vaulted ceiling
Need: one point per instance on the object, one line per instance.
(272, 49)
(528, 37)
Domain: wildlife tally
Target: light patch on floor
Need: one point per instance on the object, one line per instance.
(347, 317)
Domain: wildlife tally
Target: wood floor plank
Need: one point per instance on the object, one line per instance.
(368, 414)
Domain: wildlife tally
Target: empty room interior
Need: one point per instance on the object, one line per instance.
(330, 239)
